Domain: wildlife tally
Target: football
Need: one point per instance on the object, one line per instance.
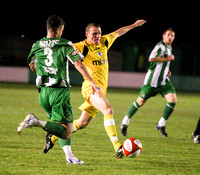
(132, 147)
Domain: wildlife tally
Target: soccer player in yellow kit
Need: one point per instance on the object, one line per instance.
(95, 49)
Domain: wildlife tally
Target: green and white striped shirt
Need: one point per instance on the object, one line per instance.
(157, 72)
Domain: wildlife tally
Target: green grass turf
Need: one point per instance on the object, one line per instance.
(22, 154)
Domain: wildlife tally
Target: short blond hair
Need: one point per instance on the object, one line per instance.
(92, 24)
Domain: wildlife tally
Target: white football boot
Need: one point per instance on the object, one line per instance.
(74, 161)
(30, 121)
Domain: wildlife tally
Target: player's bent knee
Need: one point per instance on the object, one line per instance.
(66, 135)
(141, 101)
(173, 99)
(109, 110)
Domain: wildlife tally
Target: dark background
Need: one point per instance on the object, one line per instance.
(22, 24)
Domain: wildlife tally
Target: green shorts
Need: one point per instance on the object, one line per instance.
(148, 91)
(56, 102)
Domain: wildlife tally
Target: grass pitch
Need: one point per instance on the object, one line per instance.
(22, 154)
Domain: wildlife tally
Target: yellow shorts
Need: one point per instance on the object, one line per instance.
(89, 108)
(86, 92)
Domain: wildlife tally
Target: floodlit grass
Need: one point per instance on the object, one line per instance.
(22, 154)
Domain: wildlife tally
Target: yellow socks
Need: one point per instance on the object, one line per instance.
(75, 126)
(111, 131)
(54, 139)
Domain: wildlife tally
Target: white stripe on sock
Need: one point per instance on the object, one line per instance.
(112, 139)
(109, 122)
(170, 106)
(135, 105)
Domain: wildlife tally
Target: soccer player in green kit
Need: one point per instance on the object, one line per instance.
(49, 59)
(156, 81)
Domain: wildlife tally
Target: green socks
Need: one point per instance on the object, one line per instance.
(64, 142)
(55, 129)
(169, 108)
(132, 109)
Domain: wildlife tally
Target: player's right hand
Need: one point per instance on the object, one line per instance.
(171, 57)
(94, 88)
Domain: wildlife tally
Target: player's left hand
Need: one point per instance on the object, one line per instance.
(169, 74)
(139, 22)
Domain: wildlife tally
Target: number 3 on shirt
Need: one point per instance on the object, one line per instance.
(49, 53)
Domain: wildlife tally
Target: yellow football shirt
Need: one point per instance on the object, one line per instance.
(96, 62)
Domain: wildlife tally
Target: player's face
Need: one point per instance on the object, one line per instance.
(168, 37)
(94, 35)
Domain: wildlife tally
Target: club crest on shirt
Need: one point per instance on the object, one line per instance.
(143, 94)
(69, 117)
(99, 54)
(111, 35)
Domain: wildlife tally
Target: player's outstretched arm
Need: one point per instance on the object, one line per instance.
(125, 29)
(82, 69)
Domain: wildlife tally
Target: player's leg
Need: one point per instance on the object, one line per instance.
(60, 130)
(169, 94)
(197, 130)
(66, 146)
(32, 121)
(145, 93)
(56, 103)
(86, 117)
(135, 106)
(88, 113)
(196, 133)
(100, 102)
(131, 111)
(63, 113)
(169, 108)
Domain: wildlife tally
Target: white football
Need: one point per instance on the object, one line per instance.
(132, 147)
